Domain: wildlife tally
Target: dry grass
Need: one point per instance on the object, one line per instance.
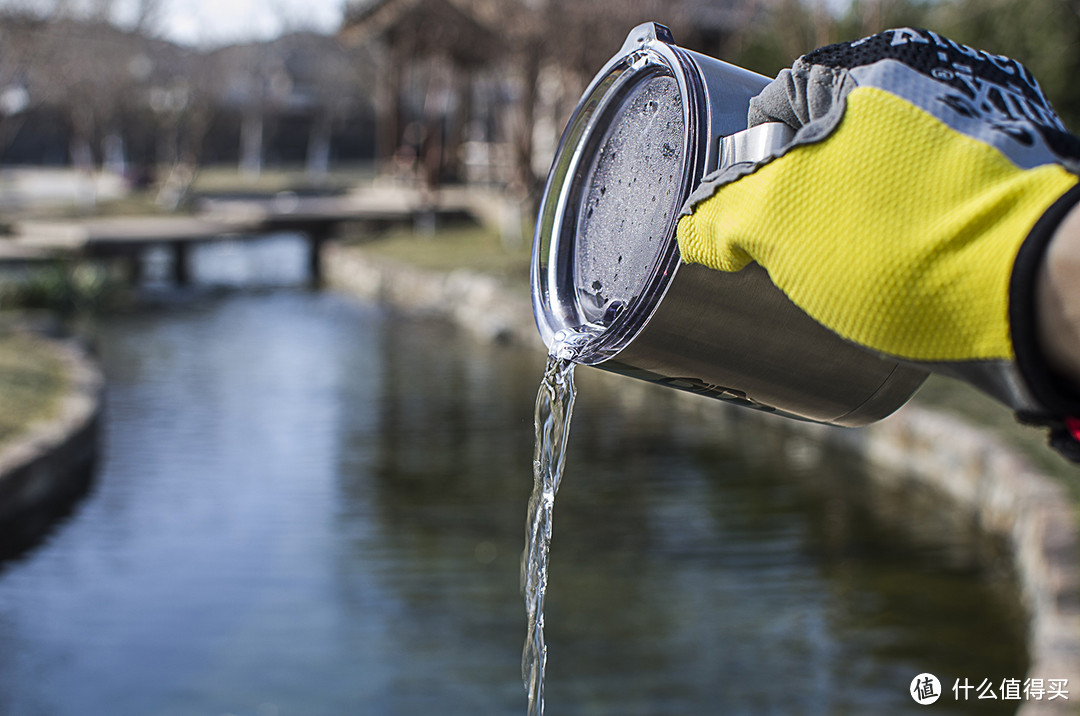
(227, 178)
(32, 383)
(461, 246)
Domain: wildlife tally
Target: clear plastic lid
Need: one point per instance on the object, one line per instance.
(605, 248)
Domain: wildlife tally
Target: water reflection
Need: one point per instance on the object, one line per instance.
(270, 260)
(308, 505)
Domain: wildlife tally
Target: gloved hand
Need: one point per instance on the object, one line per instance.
(911, 210)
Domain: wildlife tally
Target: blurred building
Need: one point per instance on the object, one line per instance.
(90, 94)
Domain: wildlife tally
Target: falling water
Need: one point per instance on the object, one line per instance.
(554, 406)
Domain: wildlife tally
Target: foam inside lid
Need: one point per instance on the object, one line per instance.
(631, 197)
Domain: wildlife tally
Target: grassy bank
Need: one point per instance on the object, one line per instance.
(460, 246)
(227, 178)
(209, 180)
(32, 383)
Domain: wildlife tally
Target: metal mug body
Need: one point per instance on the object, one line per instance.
(732, 336)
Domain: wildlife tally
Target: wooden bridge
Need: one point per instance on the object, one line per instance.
(318, 218)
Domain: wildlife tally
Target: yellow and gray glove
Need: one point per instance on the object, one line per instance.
(911, 210)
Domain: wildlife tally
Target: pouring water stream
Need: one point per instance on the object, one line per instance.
(554, 407)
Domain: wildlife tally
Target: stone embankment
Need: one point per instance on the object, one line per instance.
(50, 464)
(1031, 513)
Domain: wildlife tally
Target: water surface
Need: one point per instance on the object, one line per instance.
(308, 505)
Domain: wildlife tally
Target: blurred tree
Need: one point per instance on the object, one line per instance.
(866, 17)
(564, 43)
(433, 56)
(1043, 34)
(540, 54)
(792, 28)
(788, 29)
(16, 54)
(82, 68)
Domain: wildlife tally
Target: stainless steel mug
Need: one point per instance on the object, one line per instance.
(606, 265)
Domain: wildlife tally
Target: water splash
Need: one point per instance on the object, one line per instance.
(554, 406)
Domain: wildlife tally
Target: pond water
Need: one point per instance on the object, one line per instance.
(311, 505)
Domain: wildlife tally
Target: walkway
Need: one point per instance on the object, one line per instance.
(316, 217)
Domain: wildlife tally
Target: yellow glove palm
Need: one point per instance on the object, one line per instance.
(898, 233)
(911, 210)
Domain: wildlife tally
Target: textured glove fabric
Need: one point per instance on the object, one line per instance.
(918, 170)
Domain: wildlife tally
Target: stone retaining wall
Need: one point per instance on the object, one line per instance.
(1031, 512)
(1007, 497)
(50, 464)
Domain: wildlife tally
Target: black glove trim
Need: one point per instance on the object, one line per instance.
(1066, 439)
(1055, 395)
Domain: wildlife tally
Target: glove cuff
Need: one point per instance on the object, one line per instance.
(1056, 396)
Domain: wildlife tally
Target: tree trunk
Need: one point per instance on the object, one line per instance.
(82, 158)
(525, 177)
(251, 144)
(318, 149)
(114, 159)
